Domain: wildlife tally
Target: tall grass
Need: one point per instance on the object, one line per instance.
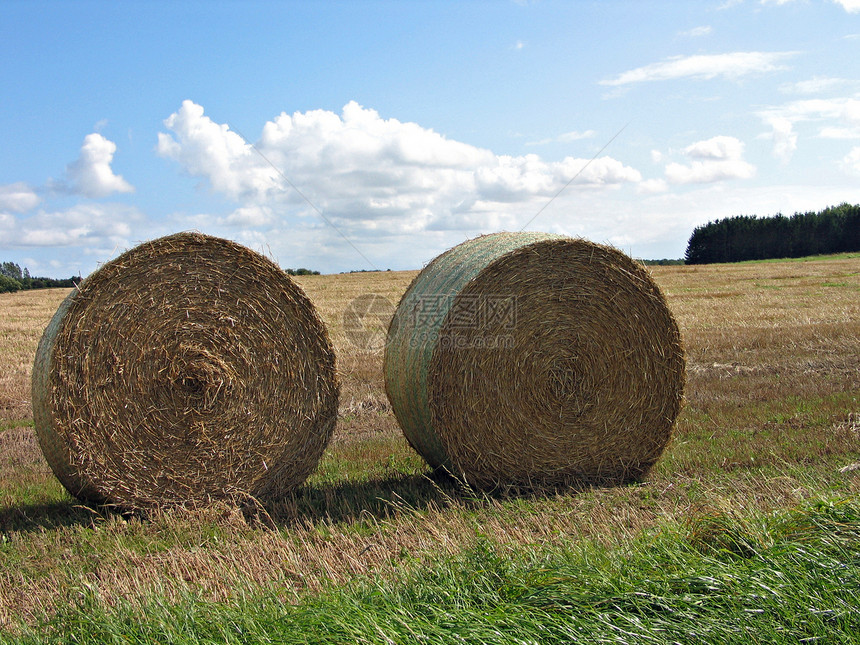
(786, 578)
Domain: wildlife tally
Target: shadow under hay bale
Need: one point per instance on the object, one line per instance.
(187, 369)
(528, 359)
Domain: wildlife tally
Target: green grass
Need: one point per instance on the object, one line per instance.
(785, 578)
(6, 424)
(373, 458)
(840, 285)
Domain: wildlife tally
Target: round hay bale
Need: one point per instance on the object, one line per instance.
(529, 359)
(187, 369)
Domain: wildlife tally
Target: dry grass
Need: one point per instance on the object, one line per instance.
(24, 317)
(364, 408)
(773, 350)
(772, 415)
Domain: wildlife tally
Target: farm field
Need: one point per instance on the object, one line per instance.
(759, 484)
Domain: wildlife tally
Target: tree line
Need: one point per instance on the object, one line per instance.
(835, 229)
(301, 271)
(14, 278)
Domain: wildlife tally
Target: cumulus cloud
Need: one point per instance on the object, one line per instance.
(851, 6)
(715, 159)
(208, 149)
(784, 138)
(368, 172)
(732, 66)
(91, 174)
(89, 225)
(838, 118)
(253, 216)
(18, 198)
(851, 161)
(716, 148)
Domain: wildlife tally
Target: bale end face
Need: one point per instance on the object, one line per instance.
(530, 360)
(188, 369)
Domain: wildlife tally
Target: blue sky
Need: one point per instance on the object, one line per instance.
(357, 135)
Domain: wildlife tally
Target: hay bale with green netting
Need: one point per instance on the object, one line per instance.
(188, 369)
(529, 359)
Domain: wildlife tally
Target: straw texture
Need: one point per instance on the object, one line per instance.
(529, 359)
(188, 369)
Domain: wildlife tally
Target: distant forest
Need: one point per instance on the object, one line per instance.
(13, 278)
(301, 271)
(747, 237)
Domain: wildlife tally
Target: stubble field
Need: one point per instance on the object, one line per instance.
(771, 425)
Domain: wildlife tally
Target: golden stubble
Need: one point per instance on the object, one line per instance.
(762, 340)
(23, 317)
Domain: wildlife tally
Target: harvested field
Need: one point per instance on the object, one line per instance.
(771, 420)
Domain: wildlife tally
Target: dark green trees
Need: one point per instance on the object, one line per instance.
(13, 278)
(747, 237)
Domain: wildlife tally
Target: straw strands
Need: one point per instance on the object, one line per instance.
(528, 359)
(188, 369)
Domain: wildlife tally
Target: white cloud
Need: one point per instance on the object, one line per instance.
(839, 133)
(565, 137)
(91, 175)
(253, 216)
(715, 159)
(784, 138)
(18, 198)
(208, 149)
(815, 85)
(851, 112)
(851, 6)
(369, 174)
(7, 222)
(85, 225)
(702, 172)
(841, 108)
(652, 186)
(576, 136)
(839, 118)
(716, 148)
(851, 161)
(704, 67)
(697, 32)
